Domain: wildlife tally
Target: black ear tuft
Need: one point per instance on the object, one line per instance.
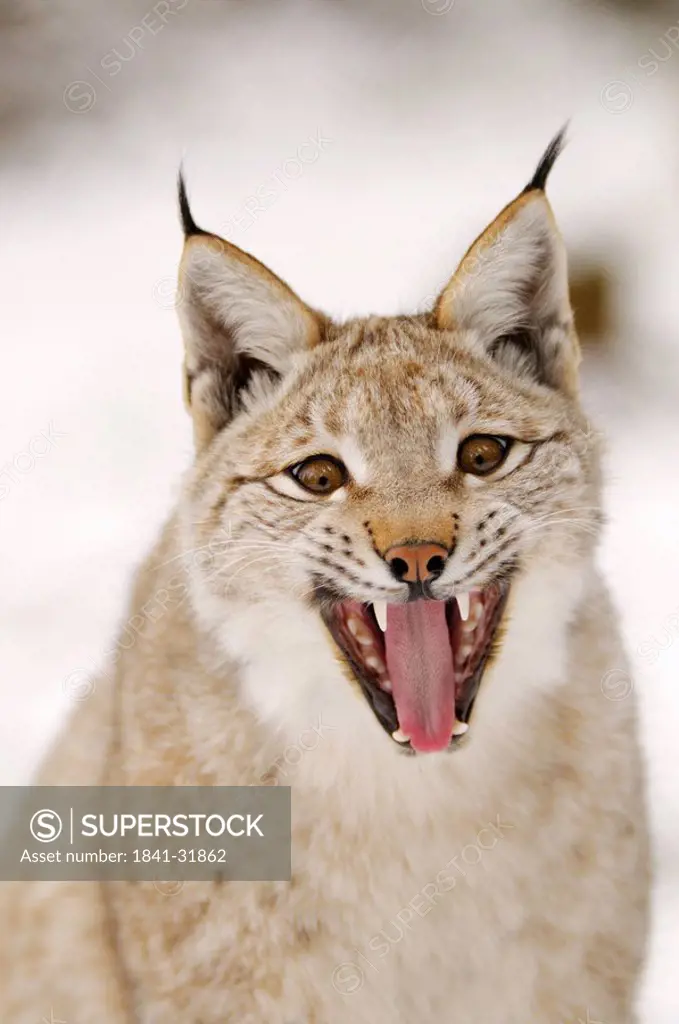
(189, 226)
(547, 161)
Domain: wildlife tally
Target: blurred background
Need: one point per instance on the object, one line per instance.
(357, 146)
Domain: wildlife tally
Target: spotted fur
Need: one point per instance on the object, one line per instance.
(398, 910)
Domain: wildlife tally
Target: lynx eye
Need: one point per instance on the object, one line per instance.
(480, 454)
(320, 474)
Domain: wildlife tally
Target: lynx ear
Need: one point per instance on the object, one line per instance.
(241, 325)
(511, 289)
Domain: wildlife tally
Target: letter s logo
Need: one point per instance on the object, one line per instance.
(46, 826)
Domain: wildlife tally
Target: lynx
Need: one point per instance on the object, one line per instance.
(379, 588)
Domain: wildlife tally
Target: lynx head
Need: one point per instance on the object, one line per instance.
(401, 510)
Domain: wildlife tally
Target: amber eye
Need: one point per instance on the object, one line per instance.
(320, 474)
(480, 454)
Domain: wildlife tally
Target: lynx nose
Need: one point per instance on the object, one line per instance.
(416, 563)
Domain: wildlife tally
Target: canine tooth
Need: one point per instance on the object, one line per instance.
(400, 736)
(463, 605)
(381, 614)
(374, 662)
(460, 728)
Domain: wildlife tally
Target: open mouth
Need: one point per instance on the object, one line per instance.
(420, 664)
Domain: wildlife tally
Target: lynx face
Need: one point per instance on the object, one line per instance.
(374, 493)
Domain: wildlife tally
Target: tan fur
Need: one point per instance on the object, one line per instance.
(502, 883)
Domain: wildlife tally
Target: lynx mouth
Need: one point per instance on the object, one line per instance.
(420, 664)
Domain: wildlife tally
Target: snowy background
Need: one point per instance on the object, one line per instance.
(386, 135)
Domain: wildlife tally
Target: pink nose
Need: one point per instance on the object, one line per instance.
(413, 562)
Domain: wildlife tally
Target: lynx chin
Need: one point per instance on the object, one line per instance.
(383, 559)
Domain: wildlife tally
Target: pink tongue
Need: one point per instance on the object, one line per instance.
(420, 665)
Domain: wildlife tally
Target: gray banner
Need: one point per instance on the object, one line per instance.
(144, 833)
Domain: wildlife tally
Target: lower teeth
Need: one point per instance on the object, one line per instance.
(459, 729)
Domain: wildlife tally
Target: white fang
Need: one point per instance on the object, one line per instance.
(463, 605)
(381, 614)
